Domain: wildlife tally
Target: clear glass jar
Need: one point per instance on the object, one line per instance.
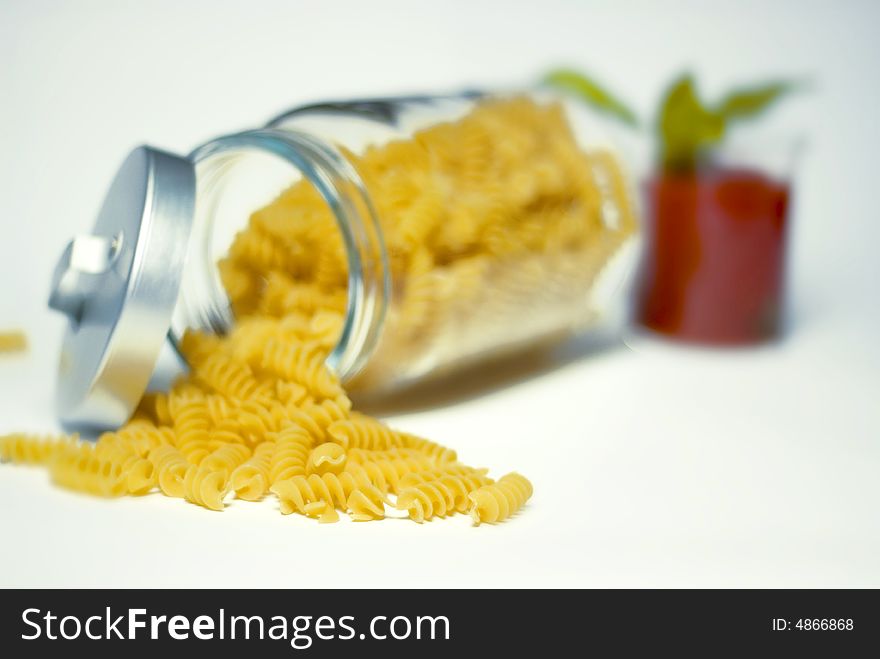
(469, 226)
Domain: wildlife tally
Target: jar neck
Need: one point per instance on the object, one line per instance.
(204, 303)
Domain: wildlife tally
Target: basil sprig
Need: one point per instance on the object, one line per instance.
(687, 127)
(591, 92)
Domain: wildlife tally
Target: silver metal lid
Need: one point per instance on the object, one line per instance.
(119, 285)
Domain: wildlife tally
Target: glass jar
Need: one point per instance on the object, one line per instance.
(440, 229)
(462, 281)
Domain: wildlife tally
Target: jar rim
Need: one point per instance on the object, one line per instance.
(342, 189)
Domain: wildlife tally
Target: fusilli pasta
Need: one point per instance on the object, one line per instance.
(250, 480)
(482, 217)
(497, 501)
(15, 341)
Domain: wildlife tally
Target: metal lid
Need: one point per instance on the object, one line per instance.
(119, 285)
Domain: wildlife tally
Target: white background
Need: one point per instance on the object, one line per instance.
(652, 465)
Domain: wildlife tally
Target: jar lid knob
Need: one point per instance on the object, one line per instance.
(118, 286)
(78, 273)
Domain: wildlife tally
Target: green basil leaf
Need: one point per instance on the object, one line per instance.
(592, 93)
(748, 102)
(686, 127)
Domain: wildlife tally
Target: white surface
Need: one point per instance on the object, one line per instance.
(652, 467)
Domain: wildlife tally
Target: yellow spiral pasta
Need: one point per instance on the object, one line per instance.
(363, 432)
(227, 432)
(435, 451)
(139, 474)
(483, 217)
(251, 479)
(307, 422)
(360, 456)
(258, 420)
(13, 341)
(191, 427)
(205, 487)
(78, 468)
(300, 302)
(325, 327)
(301, 493)
(221, 409)
(438, 494)
(259, 251)
(498, 501)
(29, 449)
(230, 378)
(363, 506)
(226, 458)
(292, 448)
(290, 393)
(303, 364)
(140, 435)
(327, 458)
(171, 467)
(197, 346)
(328, 411)
(241, 287)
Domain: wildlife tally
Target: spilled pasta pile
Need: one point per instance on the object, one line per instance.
(260, 413)
(499, 208)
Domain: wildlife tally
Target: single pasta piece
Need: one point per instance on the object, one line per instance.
(371, 475)
(455, 469)
(171, 468)
(324, 512)
(227, 434)
(205, 487)
(226, 458)
(250, 480)
(191, 427)
(440, 496)
(298, 416)
(221, 409)
(257, 420)
(363, 432)
(328, 411)
(153, 410)
(292, 448)
(498, 501)
(28, 449)
(78, 468)
(302, 364)
(360, 455)
(13, 341)
(327, 458)
(325, 327)
(364, 508)
(438, 453)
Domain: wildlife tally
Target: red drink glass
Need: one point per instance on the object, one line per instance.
(714, 265)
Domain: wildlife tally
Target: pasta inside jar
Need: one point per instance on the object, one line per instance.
(496, 224)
